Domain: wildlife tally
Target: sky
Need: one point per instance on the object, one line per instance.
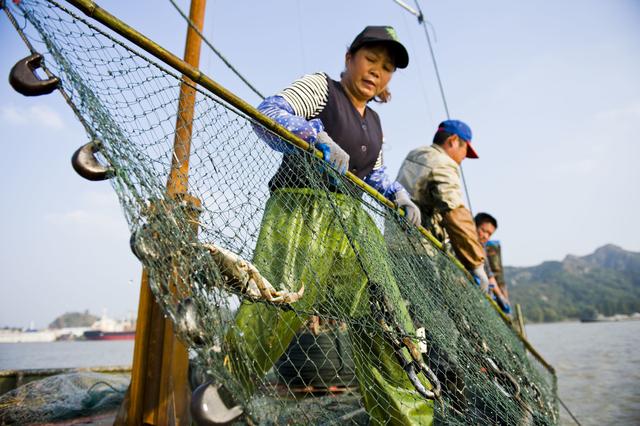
(550, 89)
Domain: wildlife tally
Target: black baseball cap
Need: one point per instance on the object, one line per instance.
(382, 34)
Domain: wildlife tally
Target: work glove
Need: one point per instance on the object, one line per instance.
(481, 275)
(412, 212)
(502, 302)
(332, 153)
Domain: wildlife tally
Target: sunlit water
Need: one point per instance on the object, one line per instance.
(598, 365)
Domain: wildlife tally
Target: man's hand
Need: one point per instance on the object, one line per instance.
(332, 153)
(412, 211)
(481, 274)
(499, 296)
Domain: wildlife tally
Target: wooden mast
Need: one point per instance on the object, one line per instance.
(159, 392)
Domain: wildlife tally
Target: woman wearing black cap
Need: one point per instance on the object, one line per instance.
(302, 241)
(335, 116)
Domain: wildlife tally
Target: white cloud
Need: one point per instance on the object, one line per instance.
(96, 210)
(107, 221)
(630, 112)
(106, 198)
(35, 115)
(89, 222)
(12, 115)
(46, 116)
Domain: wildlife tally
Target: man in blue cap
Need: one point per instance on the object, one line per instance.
(431, 174)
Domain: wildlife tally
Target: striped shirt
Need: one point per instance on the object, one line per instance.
(316, 103)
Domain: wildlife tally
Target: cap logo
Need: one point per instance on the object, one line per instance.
(392, 33)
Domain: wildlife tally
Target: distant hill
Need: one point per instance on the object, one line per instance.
(74, 319)
(606, 281)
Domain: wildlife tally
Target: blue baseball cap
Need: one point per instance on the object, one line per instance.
(457, 127)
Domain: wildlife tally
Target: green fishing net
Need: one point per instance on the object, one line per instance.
(310, 306)
(62, 397)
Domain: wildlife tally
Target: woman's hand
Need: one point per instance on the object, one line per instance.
(332, 152)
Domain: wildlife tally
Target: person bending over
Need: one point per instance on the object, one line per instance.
(431, 175)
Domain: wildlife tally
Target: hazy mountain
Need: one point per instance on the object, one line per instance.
(606, 281)
(74, 319)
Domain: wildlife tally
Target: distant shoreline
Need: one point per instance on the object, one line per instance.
(613, 318)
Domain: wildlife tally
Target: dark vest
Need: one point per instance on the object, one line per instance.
(360, 137)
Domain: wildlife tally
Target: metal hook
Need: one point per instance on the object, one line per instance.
(24, 80)
(141, 245)
(208, 408)
(86, 164)
(382, 309)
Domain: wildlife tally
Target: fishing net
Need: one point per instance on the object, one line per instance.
(62, 397)
(309, 306)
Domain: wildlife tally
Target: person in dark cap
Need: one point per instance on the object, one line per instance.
(302, 239)
(432, 175)
(335, 116)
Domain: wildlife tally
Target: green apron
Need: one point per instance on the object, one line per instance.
(302, 241)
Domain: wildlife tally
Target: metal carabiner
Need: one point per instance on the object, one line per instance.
(433, 379)
(410, 369)
(538, 395)
(382, 309)
(509, 377)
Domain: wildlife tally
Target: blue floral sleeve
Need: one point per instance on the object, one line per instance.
(277, 108)
(380, 181)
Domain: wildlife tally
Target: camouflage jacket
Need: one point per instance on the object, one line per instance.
(433, 180)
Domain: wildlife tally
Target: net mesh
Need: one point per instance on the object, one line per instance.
(314, 305)
(63, 397)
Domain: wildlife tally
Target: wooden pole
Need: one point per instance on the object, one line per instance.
(159, 392)
(520, 318)
(178, 178)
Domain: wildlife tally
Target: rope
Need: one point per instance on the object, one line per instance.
(107, 384)
(569, 411)
(421, 21)
(216, 51)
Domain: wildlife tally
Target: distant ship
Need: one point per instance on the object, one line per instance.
(109, 329)
(109, 335)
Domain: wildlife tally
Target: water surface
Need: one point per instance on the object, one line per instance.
(598, 367)
(15, 356)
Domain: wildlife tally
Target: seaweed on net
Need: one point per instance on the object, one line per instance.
(210, 258)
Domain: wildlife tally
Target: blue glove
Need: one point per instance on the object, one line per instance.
(502, 303)
(332, 153)
(506, 308)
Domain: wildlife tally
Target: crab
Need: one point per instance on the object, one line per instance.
(244, 277)
(237, 274)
